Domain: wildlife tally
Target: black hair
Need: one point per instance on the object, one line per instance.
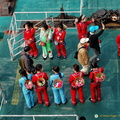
(38, 67)
(82, 118)
(94, 65)
(57, 70)
(45, 26)
(60, 25)
(29, 24)
(23, 72)
(27, 48)
(76, 67)
(82, 17)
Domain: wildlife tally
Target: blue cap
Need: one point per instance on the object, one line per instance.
(93, 28)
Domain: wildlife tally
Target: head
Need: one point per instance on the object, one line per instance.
(60, 26)
(82, 18)
(93, 28)
(82, 118)
(22, 72)
(76, 68)
(39, 67)
(27, 49)
(84, 41)
(44, 27)
(28, 25)
(94, 65)
(56, 69)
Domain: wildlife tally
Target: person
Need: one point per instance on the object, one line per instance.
(82, 118)
(82, 24)
(83, 57)
(59, 94)
(95, 86)
(77, 73)
(28, 94)
(94, 41)
(25, 61)
(40, 82)
(45, 41)
(59, 40)
(29, 39)
(118, 44)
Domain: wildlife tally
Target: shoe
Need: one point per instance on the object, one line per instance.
(65, 102)
(44, 58)
(40, 102)
(97, 59)
(58, 57)
(64, 57)
(31, 56)
(57, 104)
(35, 57)
(91, 100)
(51, 58)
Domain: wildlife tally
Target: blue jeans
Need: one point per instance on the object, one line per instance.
(59, 95)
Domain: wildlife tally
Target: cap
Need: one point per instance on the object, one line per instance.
(93, 28)
(84, 40)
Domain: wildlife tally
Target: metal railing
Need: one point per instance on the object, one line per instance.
(15, 39)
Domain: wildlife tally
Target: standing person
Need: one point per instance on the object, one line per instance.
(118, 44)
(59, 94)
(76, 75)
(28, 94)
(40, 82)
(83, 57)
(94, 41)
(95, 86)
(25, 61)
(29, 39)
(82, 24)
(45, 41)
(59, 40)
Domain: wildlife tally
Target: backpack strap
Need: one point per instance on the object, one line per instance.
(81, 48)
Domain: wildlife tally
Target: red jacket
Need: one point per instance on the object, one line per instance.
(82, 29)
(92, 75)
(29, 34)
(118, 39)
(40, 75)
(59, 36)
(75, 75)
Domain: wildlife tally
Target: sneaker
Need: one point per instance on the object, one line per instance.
(91, 100)
(35, 57)
(98, 59)
(64, 57)
(31, 56)
(58, 57)
(44, 58)
(51, 58)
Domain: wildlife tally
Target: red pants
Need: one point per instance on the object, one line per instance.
(61, 50)
(95, 90)
(80, 95)
(118, 49)
(43, 90)
(34, 50)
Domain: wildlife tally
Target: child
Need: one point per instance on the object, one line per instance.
(29, 39)
(59, 40)
(28, 94)
(95, 86)
(40, 81)
(45, 41)
(77, 74)
(59, 94)
(118, 44)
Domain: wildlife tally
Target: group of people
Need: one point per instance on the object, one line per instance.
(40, 79)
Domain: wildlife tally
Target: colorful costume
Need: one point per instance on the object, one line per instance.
(59, 94)
(45, 41)
(79, 89)
(30, 41)
(82, 29)
(28, 94)
(95, 87)
(118, 42)
(41, 89)
(59, 40)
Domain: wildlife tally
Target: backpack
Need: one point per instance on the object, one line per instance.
(41, 81)
(28, 85)
(57, 83)
(78, 82)
(99, 77)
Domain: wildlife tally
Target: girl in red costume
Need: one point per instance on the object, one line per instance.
(59, 40)
(118, 44)
(30, 39)
(82, 24)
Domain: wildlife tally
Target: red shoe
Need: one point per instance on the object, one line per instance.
(92, 100)
(40, 102)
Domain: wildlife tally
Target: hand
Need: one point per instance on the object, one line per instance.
(103, 26)
(93, 19)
